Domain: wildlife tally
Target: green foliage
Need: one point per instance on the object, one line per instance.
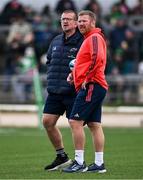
(25, 152)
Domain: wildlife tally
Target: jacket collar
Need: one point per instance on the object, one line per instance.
(76, 36)
(95, 30)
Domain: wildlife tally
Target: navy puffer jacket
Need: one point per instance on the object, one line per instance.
(60, 53)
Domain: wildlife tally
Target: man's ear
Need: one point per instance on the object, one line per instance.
(93, 23)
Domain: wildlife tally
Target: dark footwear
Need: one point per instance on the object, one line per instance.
(75, 167)
(94, 168)
(58, 163)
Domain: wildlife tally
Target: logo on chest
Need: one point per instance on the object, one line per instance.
(54, 48)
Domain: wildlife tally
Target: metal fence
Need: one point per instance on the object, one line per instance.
(123, 90)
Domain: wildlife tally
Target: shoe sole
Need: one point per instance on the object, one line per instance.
(60, 166)
(85, 170)
(79, 171)
(98, 171)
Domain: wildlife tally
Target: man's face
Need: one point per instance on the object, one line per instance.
(68, 22)
(85, 24)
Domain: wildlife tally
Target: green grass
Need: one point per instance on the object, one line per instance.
(25, 152)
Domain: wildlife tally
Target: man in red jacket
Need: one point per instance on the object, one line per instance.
(91, 86)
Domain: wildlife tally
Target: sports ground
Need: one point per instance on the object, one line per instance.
(25, 151)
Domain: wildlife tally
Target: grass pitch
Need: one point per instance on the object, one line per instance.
(25, 152)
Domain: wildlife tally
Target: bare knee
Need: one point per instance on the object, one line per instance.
(75, 124)
(46, 121)
(49, 121)
(94, 126)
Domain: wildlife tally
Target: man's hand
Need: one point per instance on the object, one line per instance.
(84, 85)
(70, 78)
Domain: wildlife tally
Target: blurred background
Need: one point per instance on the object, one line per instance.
(27, 28)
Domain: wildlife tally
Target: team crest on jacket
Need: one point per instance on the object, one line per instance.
(72, 52)
(73, 49)
(54, 48)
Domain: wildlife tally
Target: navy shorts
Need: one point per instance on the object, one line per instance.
(57, 104)
(88, 104)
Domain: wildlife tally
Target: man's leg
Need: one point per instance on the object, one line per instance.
(78, 135)
(98, 142)
(55, 136)
(78, 140)
(97, 136)
(49, 122)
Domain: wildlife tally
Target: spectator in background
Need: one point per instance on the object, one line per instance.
(10, 11)
(129, 47)
(118, 10)
(123, 7)
(115, 62)
(43, 35)
(95, 7)
(19, 37)
(19, 85)
(46, 11)
(117, 34)
(116, 37)
(63, 5)
(114, 14)
(13, 57)
(138, 9)
(29, 13)
(48, 15)
(125, 57)
(40, 27)
(20, 33)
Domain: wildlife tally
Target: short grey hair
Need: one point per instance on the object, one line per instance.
(71, 11)
(89, 13)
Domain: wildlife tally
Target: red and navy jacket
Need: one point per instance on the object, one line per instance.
(91, 60)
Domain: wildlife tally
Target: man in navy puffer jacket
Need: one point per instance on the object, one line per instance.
(61, 94)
